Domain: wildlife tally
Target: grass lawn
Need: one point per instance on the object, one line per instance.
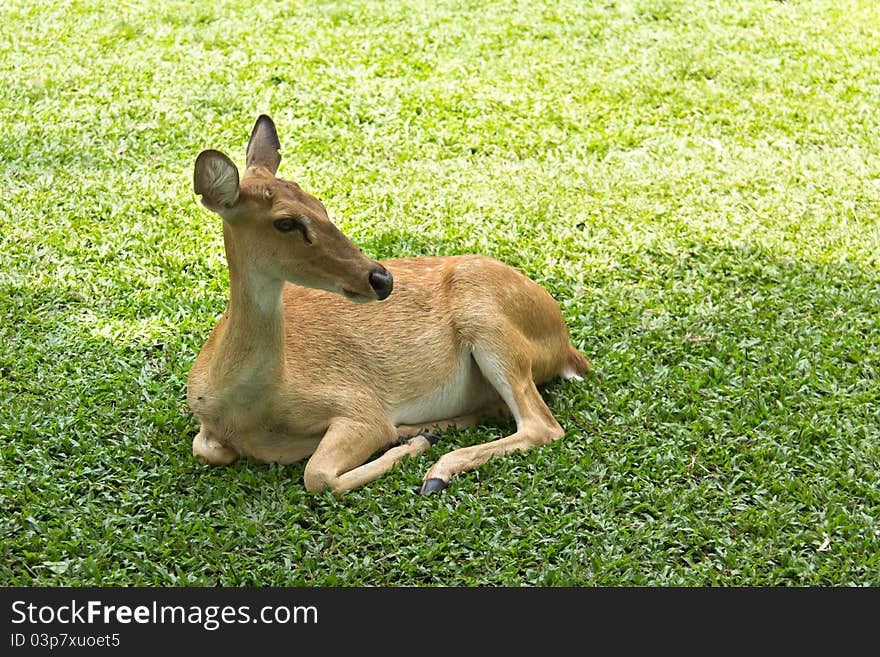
(696, 183)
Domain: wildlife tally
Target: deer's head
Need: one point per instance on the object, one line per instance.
(279, 231)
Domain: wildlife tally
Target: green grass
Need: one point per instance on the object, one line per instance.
(698, 185)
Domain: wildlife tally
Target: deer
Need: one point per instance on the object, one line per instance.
(325, 354)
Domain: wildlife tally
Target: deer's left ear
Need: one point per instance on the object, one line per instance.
(263, 146)
(215, 179)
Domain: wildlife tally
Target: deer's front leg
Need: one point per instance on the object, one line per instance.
(209, 451)
(340, 461)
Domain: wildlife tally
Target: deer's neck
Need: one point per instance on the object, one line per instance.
(250, 355)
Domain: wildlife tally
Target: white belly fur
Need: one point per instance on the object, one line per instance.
(464, 392)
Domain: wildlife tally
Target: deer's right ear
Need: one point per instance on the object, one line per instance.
(216, 180)
(263, 146)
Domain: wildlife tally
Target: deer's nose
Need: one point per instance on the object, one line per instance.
(381, 281)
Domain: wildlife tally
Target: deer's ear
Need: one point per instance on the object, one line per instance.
(216, 180)
(263, 146)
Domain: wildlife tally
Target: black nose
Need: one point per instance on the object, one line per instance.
(381, 281)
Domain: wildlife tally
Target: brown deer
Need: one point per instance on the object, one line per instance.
(316, 357)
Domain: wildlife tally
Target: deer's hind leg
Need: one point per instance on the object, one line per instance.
(506, 362)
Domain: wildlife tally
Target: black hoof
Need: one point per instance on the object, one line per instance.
(430, 437)
(432, 485)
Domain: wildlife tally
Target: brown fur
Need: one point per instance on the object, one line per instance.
(291, 371)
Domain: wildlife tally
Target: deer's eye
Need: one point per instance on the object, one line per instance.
(287, 224)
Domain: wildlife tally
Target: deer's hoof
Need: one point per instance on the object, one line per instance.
(432, 485)
(430, 437)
